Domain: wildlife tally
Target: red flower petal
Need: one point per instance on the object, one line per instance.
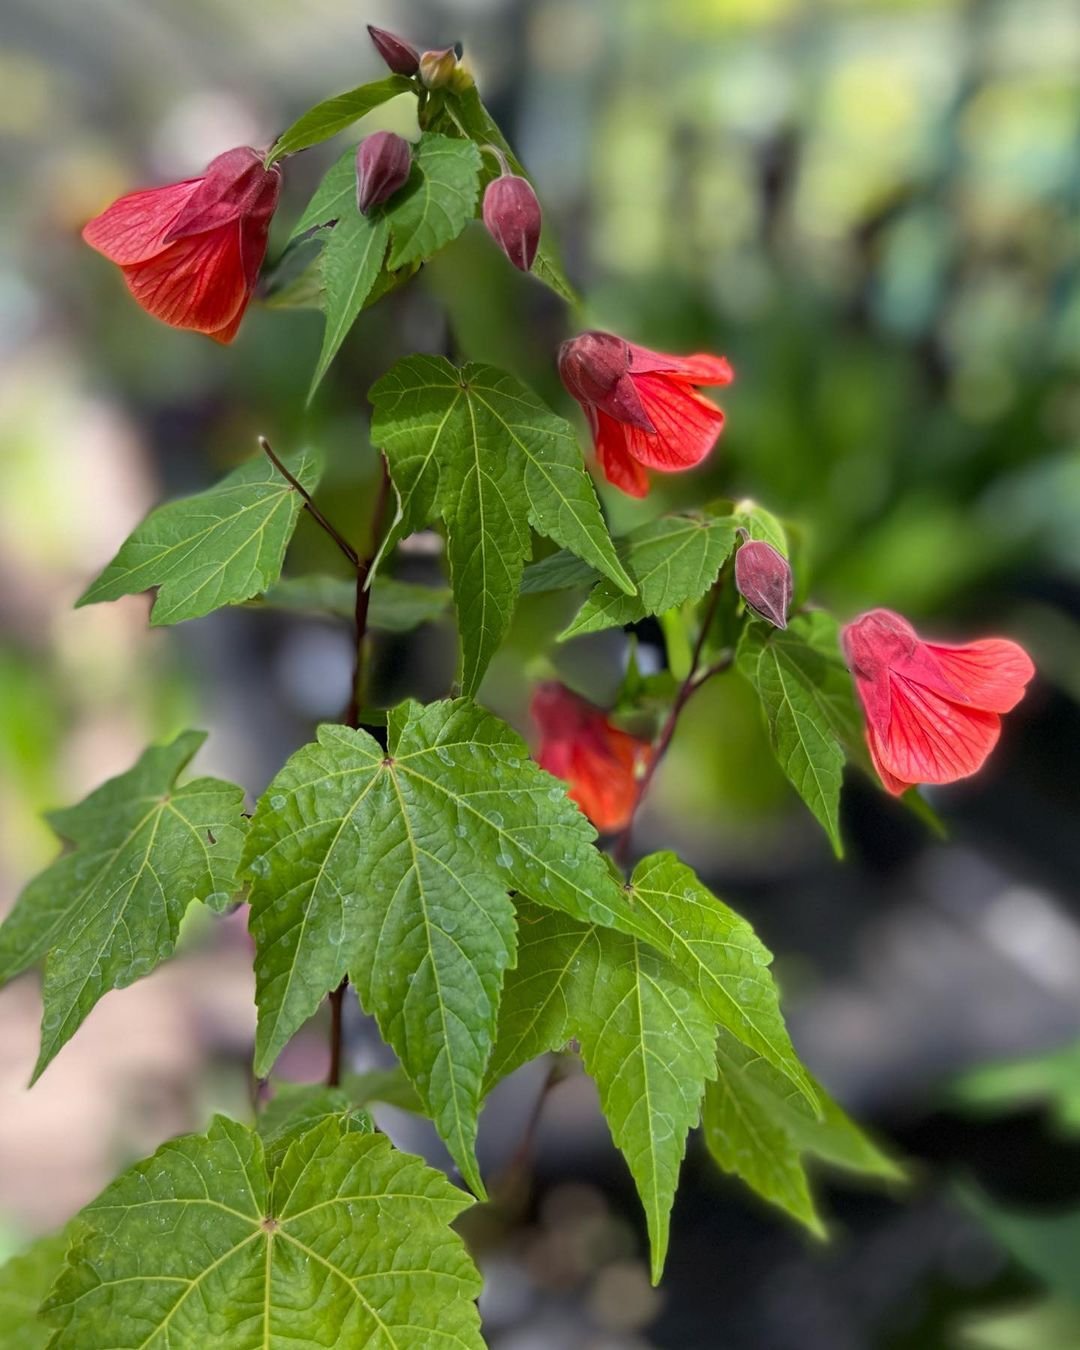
(700, 368)
(686, 423)
(618, 464)
(198, 282)
(132, 230)
(603, 778)
(991, 674)
(929, 739)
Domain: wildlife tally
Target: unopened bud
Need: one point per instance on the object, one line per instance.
(763, 579)
(512, 217)
(399, 55)
(437, 68)
(383, 161)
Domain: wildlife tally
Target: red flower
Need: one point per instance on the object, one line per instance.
(190, 252)
(601, 764)
(643, 407)
(932, 709)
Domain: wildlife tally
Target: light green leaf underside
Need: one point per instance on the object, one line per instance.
(394, 869)
(645, 1034)
(672, 560)
(108, 912)
(476, 449)
(24, 1282)
(219, 547)
(466, 112)
(755, 1127)
(395, 607)
(348, 1243)
(809, 703)
(326, 119)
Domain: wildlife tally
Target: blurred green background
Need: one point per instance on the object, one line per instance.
(873, 209)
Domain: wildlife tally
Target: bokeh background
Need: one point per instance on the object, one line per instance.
(873, 209)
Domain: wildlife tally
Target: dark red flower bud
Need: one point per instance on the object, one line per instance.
(763, 579)
(383, 161)
(437, 68)
(595, 368)
(399, 55)
(512, 217)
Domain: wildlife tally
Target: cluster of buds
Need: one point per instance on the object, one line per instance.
(436, 69)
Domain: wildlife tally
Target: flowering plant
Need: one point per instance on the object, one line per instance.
(481, 904)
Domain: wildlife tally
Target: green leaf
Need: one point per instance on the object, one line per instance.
(326, 119)
(24, 1282)
(296, 1108)
(350, 263)
(755, 1126)
(334, 198)
(347, 1243)
(437, 202)
(393, 867)
(389, 1086)
(718, 952)
(672, 560)
(1047, 1324)
(396, 606)
(219, 547)
(1051, 1080)
(646, 1036)
(477, 449)
(761, 524)
(559, 571)
(465, 112)
(809, 702)
(108, 912)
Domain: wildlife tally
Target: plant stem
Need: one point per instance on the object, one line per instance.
(363, 595)
(309, 504)
(522, 1155)
(689, 687)
(337, 999)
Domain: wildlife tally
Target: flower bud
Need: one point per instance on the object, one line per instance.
(383, 161)
(512, 218)
(437, 68)
(763, 579)
(399, 55)
(595, 368)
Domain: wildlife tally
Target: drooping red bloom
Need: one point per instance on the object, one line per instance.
(190, 252)
(643, 407)
(601, 764)
(932, 709)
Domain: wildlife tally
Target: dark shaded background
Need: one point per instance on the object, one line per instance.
(872, 210)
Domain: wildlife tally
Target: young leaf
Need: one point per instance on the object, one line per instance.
(326, 119)
(756, 1129)
(347, 1243)
(465, 112)
(24, 1282)
(296, 1108)
(438, 201)
(477, 449)
(393, 867)
(350, 263)
(645, 1033)
(809, 703)
(219, 547)
(108, 912)
(720, 955)
(671, 560)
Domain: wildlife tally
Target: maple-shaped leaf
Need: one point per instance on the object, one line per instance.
(296, 1108)
(219, 547)
(422, 217)
(465, 112)
(24, 1282)
(755, 1128)
(809, 702)
(671, 560)
(348, 1243)
(393, 867)
(108, 911)
(646, 1035)
(476, 449)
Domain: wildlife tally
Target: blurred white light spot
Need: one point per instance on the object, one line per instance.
(1031, 931)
